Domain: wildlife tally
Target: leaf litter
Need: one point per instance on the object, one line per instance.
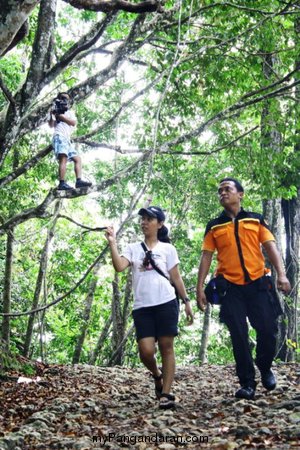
(86, 407)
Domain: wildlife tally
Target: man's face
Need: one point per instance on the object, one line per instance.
(228, 194)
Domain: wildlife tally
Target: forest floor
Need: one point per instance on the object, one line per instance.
(85, 407)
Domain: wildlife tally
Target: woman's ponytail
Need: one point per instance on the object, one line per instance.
(162, 234)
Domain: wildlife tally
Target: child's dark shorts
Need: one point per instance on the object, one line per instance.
(157, 321)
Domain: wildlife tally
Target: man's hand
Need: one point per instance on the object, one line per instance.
(201, 299)
(283, 284)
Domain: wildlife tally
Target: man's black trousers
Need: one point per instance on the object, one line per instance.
(254, 301)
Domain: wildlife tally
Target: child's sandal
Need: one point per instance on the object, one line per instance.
(167, 401)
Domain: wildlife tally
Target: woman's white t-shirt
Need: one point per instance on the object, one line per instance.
(149, 287)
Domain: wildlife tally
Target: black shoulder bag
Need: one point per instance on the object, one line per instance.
(216, 289)
(158, 270)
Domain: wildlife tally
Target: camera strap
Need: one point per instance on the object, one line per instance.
(152, 262)
(158, 270)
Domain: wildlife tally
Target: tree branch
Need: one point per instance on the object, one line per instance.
(40, 211)
(13, 15)
(86, 88)
(118, 149)
(8, 95)
(26, 166)
(83, 44)
(40, 51)
(134, 201)
(62, 216)
(117, 5)
(226, 114)
(61, 297)
(119, 111)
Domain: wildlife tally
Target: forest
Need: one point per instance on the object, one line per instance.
(170, 97)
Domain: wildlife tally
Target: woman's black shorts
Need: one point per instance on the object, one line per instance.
(157, 321)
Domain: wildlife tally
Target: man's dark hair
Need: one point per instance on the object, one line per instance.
(237, 184)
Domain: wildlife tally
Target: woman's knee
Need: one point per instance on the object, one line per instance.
(146, 350)
(166, 345)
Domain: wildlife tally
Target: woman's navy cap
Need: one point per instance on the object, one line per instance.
(153, 211)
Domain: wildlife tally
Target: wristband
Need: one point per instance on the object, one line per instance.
(185, 300)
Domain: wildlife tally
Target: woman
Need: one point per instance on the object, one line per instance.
(155, 309)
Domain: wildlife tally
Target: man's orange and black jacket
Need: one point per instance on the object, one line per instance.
(238, 245)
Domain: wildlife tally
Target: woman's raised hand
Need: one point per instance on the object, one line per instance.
(110, 234)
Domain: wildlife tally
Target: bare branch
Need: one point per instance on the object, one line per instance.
(62, 216)
(103, 50)
(104, 184)
(216, 150)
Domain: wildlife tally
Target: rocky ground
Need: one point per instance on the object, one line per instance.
(84, 407)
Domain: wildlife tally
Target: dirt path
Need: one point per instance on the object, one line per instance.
(85, 407)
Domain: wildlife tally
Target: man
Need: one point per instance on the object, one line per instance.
(237, 236)
(63, 121)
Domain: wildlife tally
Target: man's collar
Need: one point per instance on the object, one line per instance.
(224, 214)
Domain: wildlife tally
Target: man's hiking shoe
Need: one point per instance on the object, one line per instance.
(268, 380)
(63, 187)
(81, 184)
(245, 392)
(167, 401)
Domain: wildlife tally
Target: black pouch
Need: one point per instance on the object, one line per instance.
(216, 289)
(269, 284)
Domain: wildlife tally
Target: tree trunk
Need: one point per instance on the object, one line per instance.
(115, 356)
(291, 213)
(118, 324)
(127, 299)
(5, 332)
(13, 15)
(205, 335)
(101, 340)
(272, 214)
(41, 278)
(271, 143)
(87, 309)
(85, 317)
